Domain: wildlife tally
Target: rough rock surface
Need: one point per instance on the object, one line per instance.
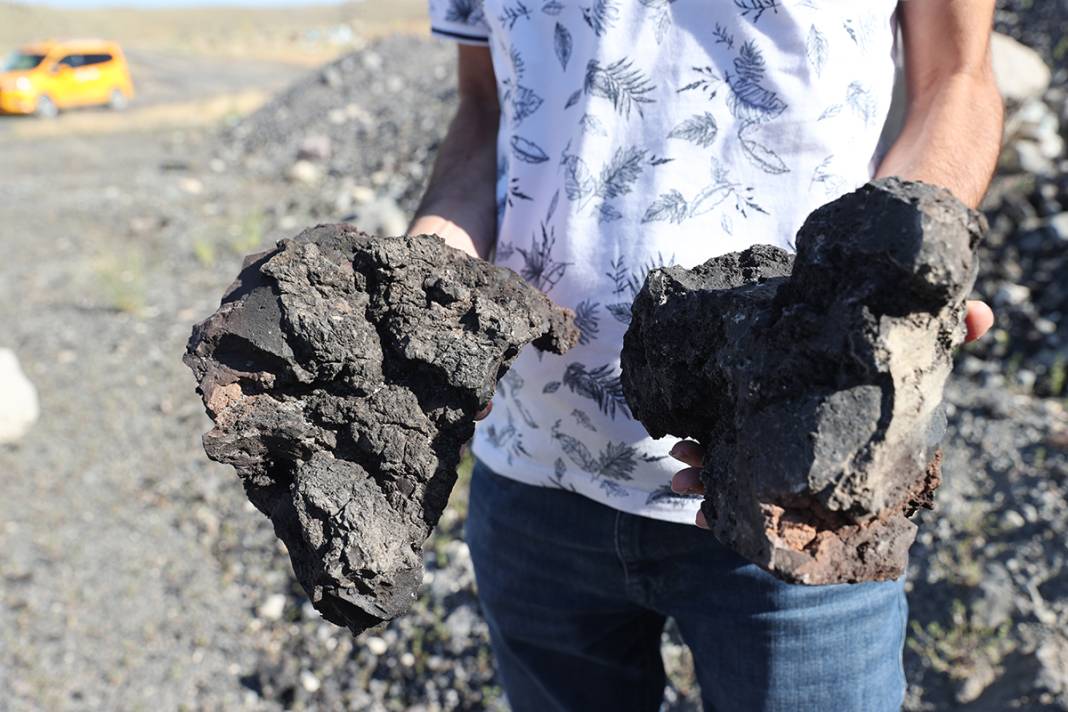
(343, 373)
(814, 383)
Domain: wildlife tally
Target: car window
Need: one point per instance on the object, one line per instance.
(72, 60)
(21, 61)
(95, 59)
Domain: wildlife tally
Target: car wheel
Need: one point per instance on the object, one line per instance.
(118, 100)
(46, 108)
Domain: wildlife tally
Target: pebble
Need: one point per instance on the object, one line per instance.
(376, 646)
(273, 607)
(309, 681)
(1012, 519)
(1012, 294)
(304, 171)
(19, 408)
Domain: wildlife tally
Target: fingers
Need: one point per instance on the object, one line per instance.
(485, 411)
(979, 318)
(689, 452)
(700, 520)
(687, 481)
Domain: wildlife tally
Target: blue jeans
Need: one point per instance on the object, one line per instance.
(576, 595)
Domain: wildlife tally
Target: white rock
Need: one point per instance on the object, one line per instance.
(305, 172)
(273, 607)
(18, 406)
(1059, 224)
(309, 681)
(191, 186)
(1052, 656)
(1021, 74)
(1012, 294)
(376, 646)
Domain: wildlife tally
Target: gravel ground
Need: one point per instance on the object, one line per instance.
(136, 575)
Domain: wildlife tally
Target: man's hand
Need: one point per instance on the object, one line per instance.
(978, 319)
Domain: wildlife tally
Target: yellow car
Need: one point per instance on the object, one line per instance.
(46, 77)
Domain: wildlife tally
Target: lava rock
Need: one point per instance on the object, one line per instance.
(814, 383)
(343, 373)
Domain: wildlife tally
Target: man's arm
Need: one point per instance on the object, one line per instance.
(460, 204)
(953, 125)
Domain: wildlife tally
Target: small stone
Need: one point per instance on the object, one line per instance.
(1012, 519)
(18, 406)
(331, 77)
(361, 194)
(407, 660)
(1059, 225)
(316, 147)
(1020, 72)
(376, 646)
(304, 171)
(191, 186)
(382, 217)
(1026, 379)
(309, 681)
(273, 607)
(1012, 295)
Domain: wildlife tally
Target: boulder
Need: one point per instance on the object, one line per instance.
(343, 373)
(814, 382)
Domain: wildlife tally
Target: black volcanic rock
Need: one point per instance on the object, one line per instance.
(343, 373)
(814, 383)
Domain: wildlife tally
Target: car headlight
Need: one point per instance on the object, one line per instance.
(23, 84)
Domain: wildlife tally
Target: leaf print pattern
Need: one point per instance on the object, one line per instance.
(616, 461)
(830, 112)
(592, 125)
(466, 12)
(613, 489)
(511, 14)
(661, 10)
(627, 283)
(601, 15)
(816, 47)
(749, 102)
(553, 7)
(832, 184)
(861, 101)
(586, 320)
(755, 9)
(626, 87)
(599, 385)
(508, 439)
(527, 151)
(700, 129)
(551, 387)
(722, 36)
(524, 101)
(562, 44)
(573, 99)
(619, 174)
(584, 420)
(539, 267)
(557, 478)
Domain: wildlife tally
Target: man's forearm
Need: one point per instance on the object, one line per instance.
(459, 204)
(952, 133)
(951, 138)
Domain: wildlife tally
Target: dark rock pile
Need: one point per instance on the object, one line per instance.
(815, 386)
(343, 373)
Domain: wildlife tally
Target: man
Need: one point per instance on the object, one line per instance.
(594, 140)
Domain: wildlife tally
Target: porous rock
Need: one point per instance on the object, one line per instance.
(343, 373)
(814, 381)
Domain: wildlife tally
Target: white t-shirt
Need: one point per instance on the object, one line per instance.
(639, 133)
